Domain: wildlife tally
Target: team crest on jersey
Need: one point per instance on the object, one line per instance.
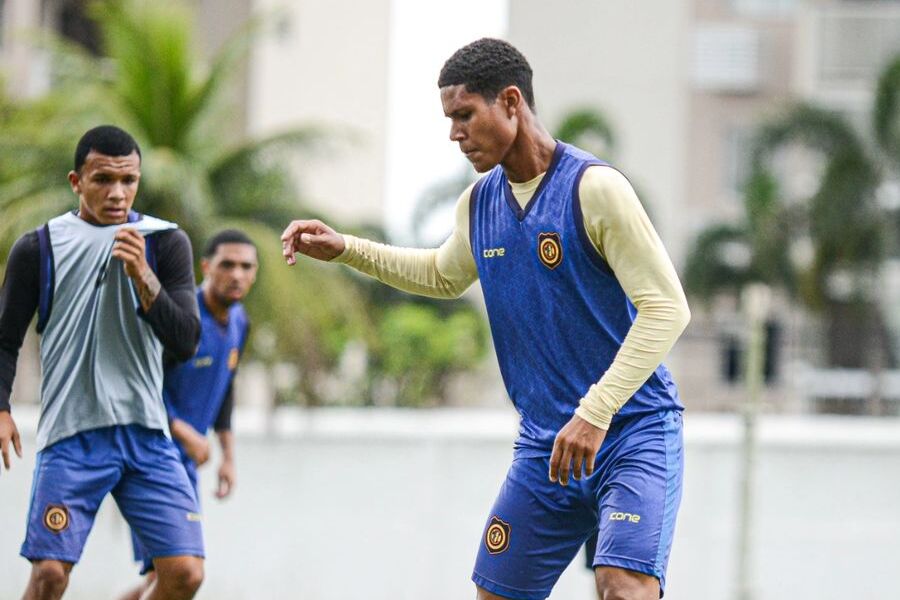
(56, 518)
(550, 249)
(233, 358)
(496, 538)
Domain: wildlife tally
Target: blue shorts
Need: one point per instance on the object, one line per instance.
(141, 554)
(536, 527)
(142, 470)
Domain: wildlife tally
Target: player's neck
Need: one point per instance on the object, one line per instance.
(218, 310)
(530, 154)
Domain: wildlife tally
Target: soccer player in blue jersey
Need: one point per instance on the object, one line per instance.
(199, 393)
(584, 304)
(113, 289)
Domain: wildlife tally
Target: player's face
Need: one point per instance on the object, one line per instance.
(106, 187)
(230, 272)
(485, 131)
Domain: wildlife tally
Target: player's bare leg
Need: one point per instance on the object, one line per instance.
(140, 590)
(483, 594)
(48, 581)
(177, 578)
(622, 584)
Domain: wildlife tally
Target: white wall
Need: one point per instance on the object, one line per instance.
(391, 505)
(630, 60)
(326, 64)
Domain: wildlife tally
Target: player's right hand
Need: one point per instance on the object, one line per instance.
(8, 434)
(195, 444)
(312, 238)
(130, 248)
(197, 449)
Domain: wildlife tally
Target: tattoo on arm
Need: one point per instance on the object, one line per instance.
(148, 288)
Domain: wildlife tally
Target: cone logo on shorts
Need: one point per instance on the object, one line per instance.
(56, 518)
(550, 249)
(496, 538)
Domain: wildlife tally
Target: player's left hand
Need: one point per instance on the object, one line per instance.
(576, 445)
(226, 480)
(9, 436)
(129, 247)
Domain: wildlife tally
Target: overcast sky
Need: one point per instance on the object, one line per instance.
(419, 151)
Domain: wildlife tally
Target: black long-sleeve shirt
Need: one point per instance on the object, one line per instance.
(173, 316)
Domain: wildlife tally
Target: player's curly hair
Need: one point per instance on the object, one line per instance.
(485, 67)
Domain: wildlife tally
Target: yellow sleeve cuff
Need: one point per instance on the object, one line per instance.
(600, 419)
(345, 256)
(593, 409)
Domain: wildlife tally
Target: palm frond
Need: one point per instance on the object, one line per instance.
(886, 112)
(590, 129)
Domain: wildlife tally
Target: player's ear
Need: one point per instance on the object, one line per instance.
(255, 271)
(75, 182)
(511, 97)
(204, 267)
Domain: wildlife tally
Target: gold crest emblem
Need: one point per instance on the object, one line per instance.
(56, 518)
(550, 249)
(233, 358)
(496, 538)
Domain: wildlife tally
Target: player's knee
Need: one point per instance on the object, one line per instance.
(621, 584)
(192, 576)
(185, 577)
(51, 576)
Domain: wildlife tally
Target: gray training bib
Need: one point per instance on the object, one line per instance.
(101, 362)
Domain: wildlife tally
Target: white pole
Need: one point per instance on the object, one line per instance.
(755, 300)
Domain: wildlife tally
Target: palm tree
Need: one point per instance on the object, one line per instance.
(197, 170)
(588, 129)
(827, 249)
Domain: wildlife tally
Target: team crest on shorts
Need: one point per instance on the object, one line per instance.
(496, 538)
(56, 518)
(550, 249)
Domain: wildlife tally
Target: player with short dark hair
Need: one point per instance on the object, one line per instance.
(583, 303)
(113, 290)
(199, 393)
(227, 236)
(105, 139)
(486, 67)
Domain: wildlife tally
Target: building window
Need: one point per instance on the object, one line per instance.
(75, 25)
(70, 19)
(854, 44)
(764, 8)
(2, 20)
(726, 58)
(738, 148)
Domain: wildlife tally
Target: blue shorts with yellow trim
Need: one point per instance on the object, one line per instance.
(139, 467)
(536, 527)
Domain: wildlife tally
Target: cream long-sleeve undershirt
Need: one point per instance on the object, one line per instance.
(621, 232)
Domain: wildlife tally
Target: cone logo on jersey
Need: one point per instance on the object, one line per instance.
(550, 249)
(496, 538)
(56, 518)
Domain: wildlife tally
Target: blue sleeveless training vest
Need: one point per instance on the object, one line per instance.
(558, 314)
